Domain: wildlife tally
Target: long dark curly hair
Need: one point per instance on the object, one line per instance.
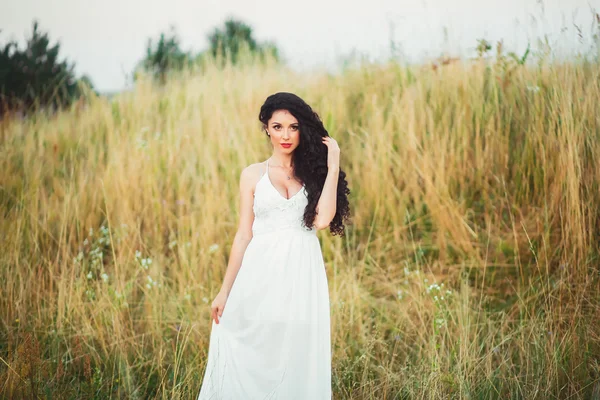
(309, 160)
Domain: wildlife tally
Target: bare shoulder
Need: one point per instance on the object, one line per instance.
(251, 175)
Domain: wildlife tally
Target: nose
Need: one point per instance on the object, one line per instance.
(286, 134)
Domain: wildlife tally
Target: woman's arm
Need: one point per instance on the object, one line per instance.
(244, 232)
(326, 207)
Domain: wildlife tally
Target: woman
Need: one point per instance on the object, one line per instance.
(270, 336)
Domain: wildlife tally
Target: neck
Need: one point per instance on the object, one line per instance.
(283, 160)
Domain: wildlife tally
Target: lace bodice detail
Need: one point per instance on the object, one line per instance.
(273, 212)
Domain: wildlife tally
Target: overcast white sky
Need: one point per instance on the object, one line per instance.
(106, 38)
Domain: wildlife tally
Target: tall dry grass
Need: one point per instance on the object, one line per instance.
(470, 269)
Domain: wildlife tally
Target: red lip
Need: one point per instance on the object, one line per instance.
(286, 145)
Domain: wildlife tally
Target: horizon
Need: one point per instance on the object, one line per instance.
(440, 29)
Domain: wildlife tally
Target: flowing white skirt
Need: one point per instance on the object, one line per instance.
(273, 339)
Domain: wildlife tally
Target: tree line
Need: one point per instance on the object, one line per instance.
(33, 78)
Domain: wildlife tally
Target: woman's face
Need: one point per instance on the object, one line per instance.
(284, 131)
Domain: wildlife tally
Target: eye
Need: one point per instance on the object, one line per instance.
(295, 127)
(277, 127)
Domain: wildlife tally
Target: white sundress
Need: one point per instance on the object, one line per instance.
(273, 338)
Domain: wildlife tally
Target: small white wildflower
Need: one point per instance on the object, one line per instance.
(448, 292)
(97, 253)
(187, 296)
(435, 298)
(425, 280)
(149, 279)
(146, 262)
(442, 298)
(204, 299)
(400, 294)
(433, 286)
(172, 244)
(154, 283)
(118, 295)
(533, 89)
(149, 286)
(89, 275)
(138, 254)
(213, 248)
(85, 242)
(105, 277)
(406, 271)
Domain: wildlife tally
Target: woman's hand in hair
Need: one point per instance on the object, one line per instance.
(333, 152)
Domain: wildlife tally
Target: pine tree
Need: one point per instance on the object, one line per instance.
(234, 35)
(166, 56)
(34, 78)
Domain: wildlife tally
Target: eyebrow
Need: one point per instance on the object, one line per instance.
(279, 123)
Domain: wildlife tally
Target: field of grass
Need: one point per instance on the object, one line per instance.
(470, 268)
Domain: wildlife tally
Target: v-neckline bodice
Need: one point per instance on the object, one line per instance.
(275, 189)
